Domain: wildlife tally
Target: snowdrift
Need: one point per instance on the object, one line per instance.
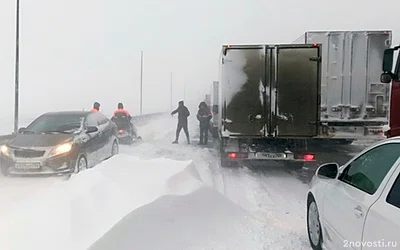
(203, 219)
(74, 214)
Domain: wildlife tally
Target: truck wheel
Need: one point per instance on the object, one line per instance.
(215, 132)
(294, 165)
(345, 142)
(225, 163)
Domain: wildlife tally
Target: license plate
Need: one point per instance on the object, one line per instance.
(271, 155)
(27, 165)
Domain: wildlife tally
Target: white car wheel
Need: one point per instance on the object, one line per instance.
(314, 225)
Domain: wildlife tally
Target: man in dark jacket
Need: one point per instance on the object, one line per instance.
(204, 116)
(183, 114)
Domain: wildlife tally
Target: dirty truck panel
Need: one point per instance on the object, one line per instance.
(270, 90)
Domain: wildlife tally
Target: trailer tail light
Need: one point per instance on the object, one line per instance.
(308, 157)
(315, 45)
(234, 155)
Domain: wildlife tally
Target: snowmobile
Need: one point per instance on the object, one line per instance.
(127, 132)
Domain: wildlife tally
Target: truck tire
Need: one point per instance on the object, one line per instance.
(226, 163)
(214, 132)
(294, 165)
(345, 142)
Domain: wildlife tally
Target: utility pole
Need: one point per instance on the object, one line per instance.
(16, 91)
(184, 91)
(141, 82)
(171, 92)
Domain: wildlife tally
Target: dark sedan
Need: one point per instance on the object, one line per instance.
(60, 143)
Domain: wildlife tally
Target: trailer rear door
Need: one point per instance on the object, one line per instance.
(243, 73)
(297, 107)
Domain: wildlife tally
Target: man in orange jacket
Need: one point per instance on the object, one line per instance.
(96, 107)
(121, 112)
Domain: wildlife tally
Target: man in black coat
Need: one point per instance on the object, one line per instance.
(183, 114)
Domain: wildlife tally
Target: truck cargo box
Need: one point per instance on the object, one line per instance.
(270, 90)
(351, 91)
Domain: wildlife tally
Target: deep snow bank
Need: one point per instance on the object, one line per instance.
(203, 219)
(74, 214)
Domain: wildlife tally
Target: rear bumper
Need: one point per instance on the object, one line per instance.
(63, 164)
(286, 156)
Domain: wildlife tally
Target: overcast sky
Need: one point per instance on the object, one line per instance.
(75, 52)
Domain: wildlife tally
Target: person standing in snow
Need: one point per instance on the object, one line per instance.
(204, 116)
(96, 107)
(183, 114)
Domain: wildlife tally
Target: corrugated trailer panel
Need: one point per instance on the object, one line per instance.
(351, 90)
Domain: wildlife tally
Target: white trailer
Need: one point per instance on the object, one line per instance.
(354, 103)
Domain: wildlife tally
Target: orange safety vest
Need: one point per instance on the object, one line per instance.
(121, 111)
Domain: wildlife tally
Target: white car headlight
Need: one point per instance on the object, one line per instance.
(62, 149)
(5, 150)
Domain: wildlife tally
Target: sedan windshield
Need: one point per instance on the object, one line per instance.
(55, 123)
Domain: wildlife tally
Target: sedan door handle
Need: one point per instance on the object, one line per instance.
(358, 211)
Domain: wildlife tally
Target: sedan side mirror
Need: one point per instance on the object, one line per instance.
(20, 130)
(91, 129)
(328, 170)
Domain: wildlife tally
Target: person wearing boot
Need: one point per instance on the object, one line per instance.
(183, 114)
(204, 116)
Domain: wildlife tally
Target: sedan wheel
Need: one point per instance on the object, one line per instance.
(115, 148)
(4, 171)
(81, 164)
(314, 225)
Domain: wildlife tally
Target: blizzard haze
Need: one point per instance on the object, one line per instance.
(76, 52)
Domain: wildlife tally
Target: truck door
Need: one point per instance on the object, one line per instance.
(297, 107)
(242, 83)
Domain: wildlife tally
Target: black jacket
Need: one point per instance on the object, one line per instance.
(183, 113)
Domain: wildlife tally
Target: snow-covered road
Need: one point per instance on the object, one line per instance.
(156, 195)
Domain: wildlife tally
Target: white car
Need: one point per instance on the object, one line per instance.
(357, 205)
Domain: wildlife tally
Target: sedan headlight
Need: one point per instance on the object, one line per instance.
(5, 150)
(62, 149)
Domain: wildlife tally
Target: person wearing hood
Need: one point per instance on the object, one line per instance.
(204, 116)
(96, 107)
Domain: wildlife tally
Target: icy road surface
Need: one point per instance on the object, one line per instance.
(155, 195)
